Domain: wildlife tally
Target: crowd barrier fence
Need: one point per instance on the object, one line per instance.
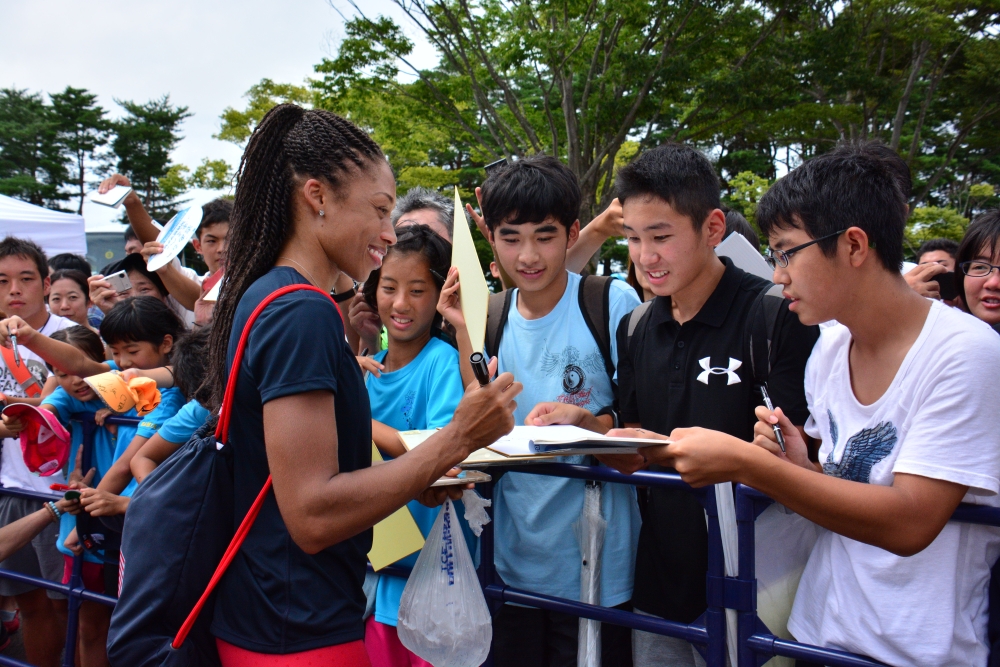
(756, 644)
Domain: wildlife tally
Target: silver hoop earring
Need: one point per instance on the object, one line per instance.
(321, 213)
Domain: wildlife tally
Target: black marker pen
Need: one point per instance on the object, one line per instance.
(480, 368)
(777, 429)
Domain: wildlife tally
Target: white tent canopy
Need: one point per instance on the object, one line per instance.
(54, 231)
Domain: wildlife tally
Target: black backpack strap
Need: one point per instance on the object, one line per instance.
(595, 305)
(762, 328)
(496, 320)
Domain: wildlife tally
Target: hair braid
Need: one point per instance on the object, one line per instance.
(290, 143)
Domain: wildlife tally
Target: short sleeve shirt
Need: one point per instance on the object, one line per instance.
(421, 395)
(695, 374)
(179, 428)
(275, 598)
(171, 400)
(938, 419)
(556, 358)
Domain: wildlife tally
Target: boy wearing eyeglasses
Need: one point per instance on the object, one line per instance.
(682, 362)
(901, 397)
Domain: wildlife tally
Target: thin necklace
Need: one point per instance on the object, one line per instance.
(314, 281)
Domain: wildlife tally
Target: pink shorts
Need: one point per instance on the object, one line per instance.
(342, 655)
(385, 649)
(93, 574)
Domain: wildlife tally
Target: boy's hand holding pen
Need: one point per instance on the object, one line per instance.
(775, 433)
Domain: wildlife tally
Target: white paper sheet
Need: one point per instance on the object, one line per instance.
(175, 235)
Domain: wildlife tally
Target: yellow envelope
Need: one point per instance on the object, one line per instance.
(474, 293)
(396, 536)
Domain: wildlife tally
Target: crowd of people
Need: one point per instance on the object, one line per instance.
(898, 364)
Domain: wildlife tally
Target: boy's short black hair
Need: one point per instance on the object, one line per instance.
(135, 262)
(214, 212)
(679, 175)
(13, 246)
(82, 339)
(737, 224)
(69, 261)
(949, 246)
(140, 319)
(531, 190)
(891, 159)
(848, 187)
(190, 361)
(982, 239)
(130, 234)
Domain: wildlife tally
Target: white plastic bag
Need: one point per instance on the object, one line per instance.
(443, 616)
(784, 541)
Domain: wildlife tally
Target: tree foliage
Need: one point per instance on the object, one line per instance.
(144, 139)
(82, 128)
(33, 163)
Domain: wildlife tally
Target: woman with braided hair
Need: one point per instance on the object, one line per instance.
(313, 199)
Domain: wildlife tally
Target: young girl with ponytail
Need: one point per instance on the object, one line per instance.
(313, 199)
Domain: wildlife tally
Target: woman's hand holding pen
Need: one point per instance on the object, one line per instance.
(796, 450)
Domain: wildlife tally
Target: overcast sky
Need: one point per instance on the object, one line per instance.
(205, 54)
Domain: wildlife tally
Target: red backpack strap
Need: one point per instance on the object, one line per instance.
(221, 435)
(28, 382)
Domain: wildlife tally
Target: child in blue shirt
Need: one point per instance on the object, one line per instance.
(415, 383)
(74, 396)
(190, 360)
(140, 332)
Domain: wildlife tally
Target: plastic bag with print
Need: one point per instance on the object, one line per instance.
(443, 616)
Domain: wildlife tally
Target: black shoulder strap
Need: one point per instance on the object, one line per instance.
(496, 320)
(761, 329)
(595, 304)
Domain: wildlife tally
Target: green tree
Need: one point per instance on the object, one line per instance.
(82, 129)
(32, 162)
(932, 222)
(575, 80)
(237, 126)
(212, 175)
(746, 189)
(144, 139)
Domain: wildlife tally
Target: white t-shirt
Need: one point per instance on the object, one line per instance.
(940, 418)
(187, 316)
(13, 472)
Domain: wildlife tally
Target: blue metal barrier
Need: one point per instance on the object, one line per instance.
(756, 644)
(707, 634)
(74, 591)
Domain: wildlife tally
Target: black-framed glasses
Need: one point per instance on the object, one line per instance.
(776, 258)
(977, 268)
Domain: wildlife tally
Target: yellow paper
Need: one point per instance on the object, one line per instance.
(396, 536)
(474, 293)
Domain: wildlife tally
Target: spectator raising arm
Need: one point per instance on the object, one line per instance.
(182, 288)
(142, 223)
(605, 226)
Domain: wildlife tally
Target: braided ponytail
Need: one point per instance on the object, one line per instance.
(289, 144)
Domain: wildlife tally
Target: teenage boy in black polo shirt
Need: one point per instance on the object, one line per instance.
(685, 365)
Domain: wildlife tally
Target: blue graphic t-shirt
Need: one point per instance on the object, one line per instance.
(102, 453)
(171, 400)
(421, 395)
(179, 428)
(556, 358)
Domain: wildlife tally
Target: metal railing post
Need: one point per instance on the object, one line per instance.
(73, 617)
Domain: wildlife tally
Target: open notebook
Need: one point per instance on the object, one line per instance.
(538, 443)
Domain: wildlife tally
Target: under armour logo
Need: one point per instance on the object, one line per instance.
(706, 363)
